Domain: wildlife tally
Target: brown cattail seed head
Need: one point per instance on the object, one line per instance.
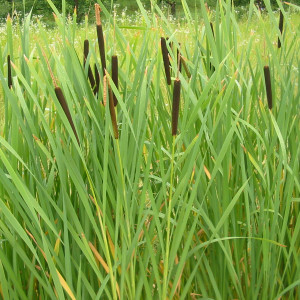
(280, 28)
(212, 29)
(90, 73)
(101, 47)
(115, 75)
(268, 85)
(175, 107)
(9, 77)
(61, 98)
(164, 51)
(86, 50)
(113, 112)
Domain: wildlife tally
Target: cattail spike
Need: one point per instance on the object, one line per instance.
(175, 107)
(166, 60)
(62, 100)
(100, 37)
(268, 86)
(212, 29)
(90, 73)
(112, 112)
(9, 77)
(115, 75)
(280, 28)
(101, 47)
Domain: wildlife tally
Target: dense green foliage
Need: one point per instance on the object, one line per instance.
(41, 7)
(211, 213)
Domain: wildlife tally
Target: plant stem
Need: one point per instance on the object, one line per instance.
(166, 263)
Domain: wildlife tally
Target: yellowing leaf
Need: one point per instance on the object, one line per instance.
(65, 286)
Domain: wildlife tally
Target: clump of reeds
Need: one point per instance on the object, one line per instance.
(166, 60)
(100, 37)
(268, 85)
(280, 28)
(175, 107)
(9, 77)
(86, 51)
(115, 75)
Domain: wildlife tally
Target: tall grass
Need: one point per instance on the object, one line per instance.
(125, 203)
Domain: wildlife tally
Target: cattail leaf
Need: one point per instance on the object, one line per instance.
(268, 85)
(166, 60)
(175, 108)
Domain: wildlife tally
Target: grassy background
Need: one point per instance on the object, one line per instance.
(211, 213)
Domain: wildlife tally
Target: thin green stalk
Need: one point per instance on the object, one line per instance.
(168, 241)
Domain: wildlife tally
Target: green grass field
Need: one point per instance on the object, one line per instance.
(105, 201)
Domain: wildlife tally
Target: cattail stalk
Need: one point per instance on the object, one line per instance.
(90, 73)
(166, 60)
(100, 37)
(9, 77)
(62, 100)
(115, 75)
(280, 28)
(268, 85)
(175, 107)
(112, 112)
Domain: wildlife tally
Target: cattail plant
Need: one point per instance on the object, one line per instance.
(280, 28)
(268, 85)
(166, 60)
(86, 51)
(9, 77)
(115, 75)
(112, 112)
(175, 107)
(100, 37)
(212, 29)
(62, 100)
